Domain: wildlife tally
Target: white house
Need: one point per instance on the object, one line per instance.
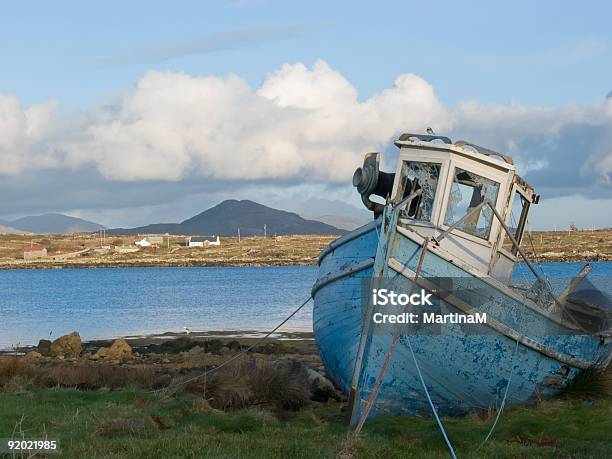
(201, 241)
(143, 243)
(150, 241)
(155, 240)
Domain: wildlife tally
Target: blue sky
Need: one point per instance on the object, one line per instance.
(538, 53)
(86, 58)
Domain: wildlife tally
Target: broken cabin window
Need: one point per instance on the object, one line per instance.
(517, 221)
(417, 175)
(468, 191)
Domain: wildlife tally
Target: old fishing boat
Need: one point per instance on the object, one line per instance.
(451, 224)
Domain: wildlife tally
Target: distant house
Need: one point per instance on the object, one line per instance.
(202, 241)
(34, 251)
(150, 241)
(143, 243)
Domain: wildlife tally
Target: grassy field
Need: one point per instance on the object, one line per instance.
(135, 423)
(252, 251)
(584, 245)
(148, 404)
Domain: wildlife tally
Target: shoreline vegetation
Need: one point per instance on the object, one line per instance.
(96, 251)
(146, 397)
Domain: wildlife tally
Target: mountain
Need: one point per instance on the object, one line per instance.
(54, 224)
(4, 229)
(225, 218)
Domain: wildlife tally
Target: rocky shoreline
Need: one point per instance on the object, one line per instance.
(21, 264)
(552, 257)
(163, 361)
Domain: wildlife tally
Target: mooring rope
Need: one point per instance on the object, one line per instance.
(433, 408)
(239, 354)
(503, 403)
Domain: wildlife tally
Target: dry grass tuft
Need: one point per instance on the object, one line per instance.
(286, 385)
(232, 386)
(16, 374)
(249, 382)
(99, 376)
(591, 384)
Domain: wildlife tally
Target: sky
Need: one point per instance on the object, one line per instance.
(127, 113)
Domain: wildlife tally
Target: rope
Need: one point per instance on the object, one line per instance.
(242, 352)
(381, 373)
(433, 408)
(535, 254)
(503, 403)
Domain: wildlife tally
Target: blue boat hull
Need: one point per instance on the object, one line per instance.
(464, 371)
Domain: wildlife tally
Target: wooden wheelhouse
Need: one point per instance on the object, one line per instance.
(461, 190)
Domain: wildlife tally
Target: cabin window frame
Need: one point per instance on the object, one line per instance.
(522, 222)
(420, 156)
(484, 170)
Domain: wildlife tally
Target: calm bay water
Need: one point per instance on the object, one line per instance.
(106, 303)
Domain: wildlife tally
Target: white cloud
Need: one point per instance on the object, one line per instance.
(24, 135)
(301, 125)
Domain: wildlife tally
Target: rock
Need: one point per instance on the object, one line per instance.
(321, 388)
(33, 355)
(67, 345)
(44, 347)
(103, 353)
(120, 349)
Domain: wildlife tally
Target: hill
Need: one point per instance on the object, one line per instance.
(54, 224)
(225, 218)
(4, 229)
(343, 221)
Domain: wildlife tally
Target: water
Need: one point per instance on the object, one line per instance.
(107, 303)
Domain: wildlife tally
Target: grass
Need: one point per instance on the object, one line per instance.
(136, 423)
(249, 251)
(581, 245)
